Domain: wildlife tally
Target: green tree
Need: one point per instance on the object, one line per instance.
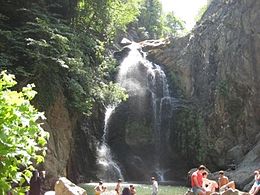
(22, 140)
(104, 18)
(153, 23)
(63, 43)
(150, 18)
(171, 25)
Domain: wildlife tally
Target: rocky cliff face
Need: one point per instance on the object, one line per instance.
(59, 146)
(72, 144)
(217, 68)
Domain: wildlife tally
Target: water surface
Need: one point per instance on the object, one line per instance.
(141, 189)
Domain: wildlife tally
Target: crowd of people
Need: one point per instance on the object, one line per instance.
(201, 185)
(100, 189)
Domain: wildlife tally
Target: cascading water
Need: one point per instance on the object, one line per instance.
(146, 84)
(137, 75)
(160, 95)
(108, 168)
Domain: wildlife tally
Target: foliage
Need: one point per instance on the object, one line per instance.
(171, 25)
(150, 18)
(106, 91)
(103, 18)
(109, 93)
(188, 133)
(154, 24)
(22, 140)
(43, 48)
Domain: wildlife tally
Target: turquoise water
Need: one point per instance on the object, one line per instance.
(141, 189)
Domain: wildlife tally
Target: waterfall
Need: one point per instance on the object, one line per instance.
(144, 82)
(138, 75)
(108, 168)
(160, 95)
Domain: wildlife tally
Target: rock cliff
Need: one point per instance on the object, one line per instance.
(72, 144)
(217, 68)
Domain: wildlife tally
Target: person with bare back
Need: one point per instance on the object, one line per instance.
(118, 186)
(224, 183)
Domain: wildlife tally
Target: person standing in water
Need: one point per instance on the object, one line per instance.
(154, 186)
(118, 187)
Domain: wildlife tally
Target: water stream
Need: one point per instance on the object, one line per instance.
(108, 167)
(137, 75)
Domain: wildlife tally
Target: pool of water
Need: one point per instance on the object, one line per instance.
(141, 189)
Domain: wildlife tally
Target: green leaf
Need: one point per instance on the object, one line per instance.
(22, 140)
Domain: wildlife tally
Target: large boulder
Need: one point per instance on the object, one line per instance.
(65, 187)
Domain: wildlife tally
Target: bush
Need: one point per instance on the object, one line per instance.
(22, 140)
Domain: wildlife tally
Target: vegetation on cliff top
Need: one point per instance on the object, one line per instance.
(61, 45)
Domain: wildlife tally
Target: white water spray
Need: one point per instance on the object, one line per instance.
(108, 168)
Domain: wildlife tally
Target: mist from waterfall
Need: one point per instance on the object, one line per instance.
(128, 71)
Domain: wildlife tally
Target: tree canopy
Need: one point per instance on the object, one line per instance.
(155, 24)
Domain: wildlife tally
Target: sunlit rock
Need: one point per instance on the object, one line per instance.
(65, 187)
